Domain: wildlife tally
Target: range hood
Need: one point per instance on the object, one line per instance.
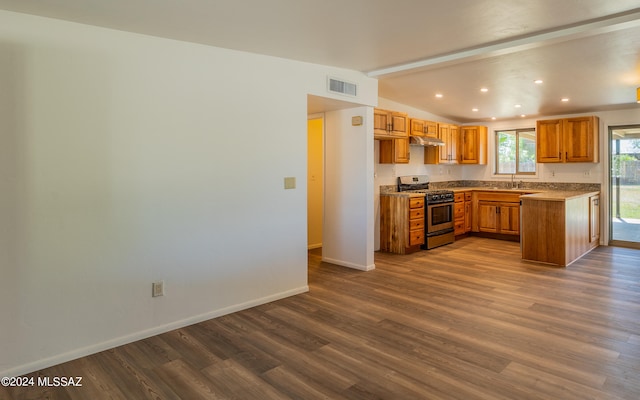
(425, 141)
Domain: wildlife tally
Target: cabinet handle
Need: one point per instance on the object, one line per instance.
(566, 156)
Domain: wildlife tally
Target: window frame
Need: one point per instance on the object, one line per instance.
(517, 131)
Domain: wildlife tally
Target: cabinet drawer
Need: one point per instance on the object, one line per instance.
(416, 202)
(458, 210)
(416, 224)
(416, 237)
(467, 196)
(499, 196)
(458, 228)
(458, 197)
(417, 213)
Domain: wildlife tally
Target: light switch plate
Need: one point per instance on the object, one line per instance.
(290, 182)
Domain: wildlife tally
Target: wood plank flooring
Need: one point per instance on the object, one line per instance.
(465, 321)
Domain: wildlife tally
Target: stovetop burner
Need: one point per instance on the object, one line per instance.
(420, 184)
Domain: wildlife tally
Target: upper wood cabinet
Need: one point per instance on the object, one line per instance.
(449, 135)
(390, 124)
(395, 151)
(472, 148)
(421, 127)
(567, 140)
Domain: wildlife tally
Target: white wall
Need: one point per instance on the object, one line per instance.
(348, 236)
(126, 159)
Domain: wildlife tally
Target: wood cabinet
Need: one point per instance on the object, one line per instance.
(458, 214)
(390, 124)
(559, 230)
(449, 135)
(462, 213)
(467, 212)
(567, 140)
(421, 127)
(394, 151)
(594, 218)
(472, 147)
(401, 223)
(448, 153)
(497, 213)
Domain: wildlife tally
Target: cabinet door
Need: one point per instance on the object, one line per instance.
(401, 152)
(510, 219)
(473, 145)
(399, 125)
(549, 141)
(579, 140)
(594, 218)
(467, 216)
(431, 128)
(454, 134)
(381, 122)
(394, 151)
(444, 135)
(487, 217)
(417, 127)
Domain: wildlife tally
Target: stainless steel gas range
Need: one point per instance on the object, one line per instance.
(438, 204)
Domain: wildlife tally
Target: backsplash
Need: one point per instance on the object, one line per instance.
(563, 186)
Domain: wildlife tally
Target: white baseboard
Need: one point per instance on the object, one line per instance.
(109, 344)
(349, 264)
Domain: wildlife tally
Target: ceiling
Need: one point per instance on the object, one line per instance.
(585, 50)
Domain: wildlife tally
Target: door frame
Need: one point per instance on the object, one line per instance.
(611, 241)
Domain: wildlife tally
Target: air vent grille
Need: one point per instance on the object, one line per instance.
(342, 87)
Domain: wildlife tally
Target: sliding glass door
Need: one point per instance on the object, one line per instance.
(625, 185)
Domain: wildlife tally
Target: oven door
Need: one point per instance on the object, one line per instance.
(439, 217)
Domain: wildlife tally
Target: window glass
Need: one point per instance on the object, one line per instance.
(516, 151)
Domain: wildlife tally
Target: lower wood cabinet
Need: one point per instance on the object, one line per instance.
(559, 230)
(594, 218)
(401, 223)
(462, 213)
(497, 213)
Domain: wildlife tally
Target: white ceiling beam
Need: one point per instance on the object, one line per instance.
(597, 26)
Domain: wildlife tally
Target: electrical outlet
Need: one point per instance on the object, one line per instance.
(157, 289)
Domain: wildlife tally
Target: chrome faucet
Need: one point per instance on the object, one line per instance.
(513, 184)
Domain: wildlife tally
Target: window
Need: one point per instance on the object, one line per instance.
(516, 152)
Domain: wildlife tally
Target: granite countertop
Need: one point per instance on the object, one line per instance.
(495, 189)
(402, 194)
(559, 195)
(535, 194)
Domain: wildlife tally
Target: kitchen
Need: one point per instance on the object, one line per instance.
(579, 178)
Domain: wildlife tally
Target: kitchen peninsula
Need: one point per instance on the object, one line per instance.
(559, 227)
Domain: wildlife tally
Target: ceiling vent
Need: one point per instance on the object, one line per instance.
(342, 87)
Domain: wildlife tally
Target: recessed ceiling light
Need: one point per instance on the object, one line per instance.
(439, 95)
(474, 109)
(538, 81)
(518, 106)
(493, 118)
(484, 89)
(522, 115)
(564, 99)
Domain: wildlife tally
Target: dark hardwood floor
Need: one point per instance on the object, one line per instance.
(465, 321)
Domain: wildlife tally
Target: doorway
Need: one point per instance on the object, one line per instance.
(315, 181)
(624, 178)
